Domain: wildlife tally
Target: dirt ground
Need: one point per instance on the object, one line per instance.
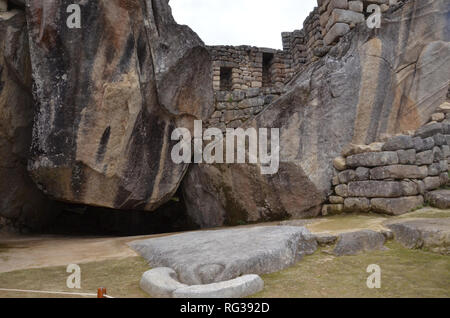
(34, 252)
(39, 263)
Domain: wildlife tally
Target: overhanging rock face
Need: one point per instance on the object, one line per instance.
(108, 97)
(371, 83)
(20, 200)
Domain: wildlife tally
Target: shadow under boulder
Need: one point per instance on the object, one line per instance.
(87, 220)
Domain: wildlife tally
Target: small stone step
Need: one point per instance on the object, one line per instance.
(439, 199)
(429, 234)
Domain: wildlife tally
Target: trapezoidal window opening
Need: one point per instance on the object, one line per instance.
(266, 69)
(226, 82)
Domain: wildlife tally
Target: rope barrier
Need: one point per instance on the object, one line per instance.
(102, 294)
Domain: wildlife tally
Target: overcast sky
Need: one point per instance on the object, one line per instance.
(239, 22)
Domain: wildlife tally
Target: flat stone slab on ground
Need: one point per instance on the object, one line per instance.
(162, 282)
(439, 199)
(354, 243)
(236, 288)
(206, 257)
(431, 234)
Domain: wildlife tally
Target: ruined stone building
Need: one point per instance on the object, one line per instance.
(87, 115)
(246, 79)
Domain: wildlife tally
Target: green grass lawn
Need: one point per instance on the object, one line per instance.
(427, 212)
(120, 277)
(404, 273)
(348, 222)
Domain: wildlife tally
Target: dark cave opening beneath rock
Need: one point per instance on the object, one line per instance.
(73, 219)
(14, 4)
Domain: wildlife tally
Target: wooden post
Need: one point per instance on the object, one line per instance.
(101, 292)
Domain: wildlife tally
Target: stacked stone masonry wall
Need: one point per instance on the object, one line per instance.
(257, 77)
(393, 177)
(247, 66)
(323, 28)
(246, 78)
(232, 109)
(313, 35)
(338, 17)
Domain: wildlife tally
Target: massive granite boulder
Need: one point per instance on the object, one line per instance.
(108, 96)
(21, 202)
(373, 82)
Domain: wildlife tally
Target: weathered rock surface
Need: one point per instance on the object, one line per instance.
(336, 199)
(376, 189)
(339, 163)
(325, 239)
(373, 159)
(354, 149)
(430, 234)
(109, 96)
(336, 31)
(396, 206)
(358, 242)
(399, 172)
(233, 194)
(160, 282)
(423, 144)
(439, 199)
(401, 142)
(236, 288)
(332, 209)
(367, 85)
(429, 130)
(425, 158)
(347, 176)
(20, 200)
(407, 157)
(216, 256)
(357, 205)
(432, 183)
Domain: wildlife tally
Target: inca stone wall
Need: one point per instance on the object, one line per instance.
(337, 17)
(245, 80)
(106, 141)
(313, 35)
(393, 177)
(259, 74)
(303, 46)
(322, 29)
(251, 67)
(295, 48)
(232, 109)
(372, 82)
